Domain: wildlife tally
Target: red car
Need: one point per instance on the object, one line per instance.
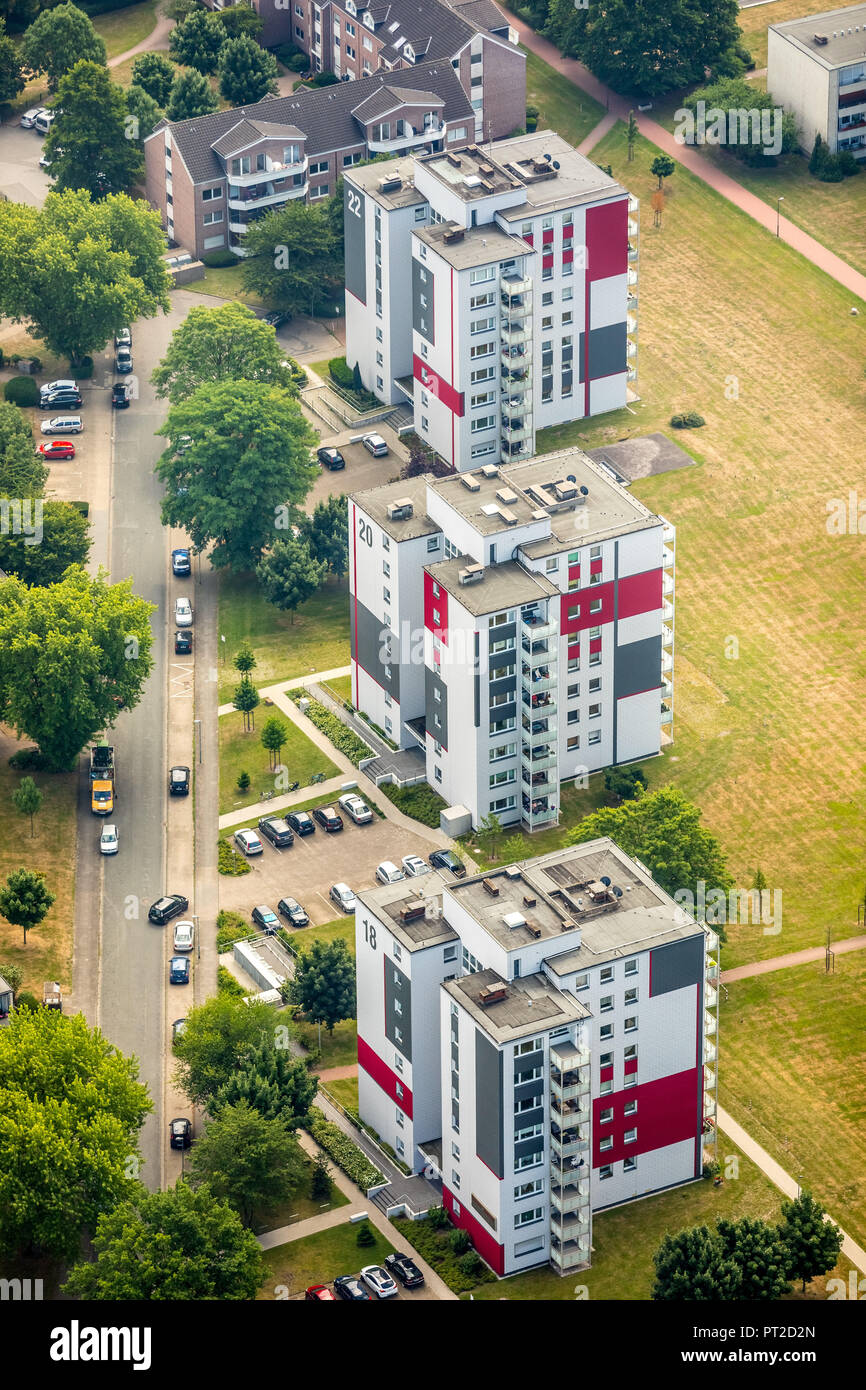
(57, 449)
(319, 1293)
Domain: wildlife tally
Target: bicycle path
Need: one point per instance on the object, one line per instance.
(812, 953)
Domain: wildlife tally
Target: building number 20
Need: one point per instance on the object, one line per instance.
(354, 200)
(365, 531)
(370, 934)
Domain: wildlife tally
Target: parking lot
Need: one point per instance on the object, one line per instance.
(362, 469)
(307, 868)
(21, 179)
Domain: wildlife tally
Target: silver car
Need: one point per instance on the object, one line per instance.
(182, 612)
(184, 936)
(28, 120)
(343, 896)
(248, 841)
(63, 424)
(415, 866)
(108, 840)
(389, 873)
(356, 808)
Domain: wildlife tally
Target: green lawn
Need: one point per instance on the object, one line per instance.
(343, 929)
(224, 282)
(791, 1064)
(340, 687)
(243, 752)
(754, 21)
(562, 107)
(339, 1049)
(318, 639)
(345, 1091)
(123, 29)
(737, 325)
(299, 1207)
(319, 1259)
(575, 803)
(625, 1239)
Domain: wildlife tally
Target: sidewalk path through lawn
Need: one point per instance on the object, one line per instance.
(812, 953)
(618, 108)
(777, 1175)
(338, 1073)
(157, 38)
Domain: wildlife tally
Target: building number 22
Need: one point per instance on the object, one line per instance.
(354, 200)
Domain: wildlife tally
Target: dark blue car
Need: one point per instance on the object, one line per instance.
(178, 970)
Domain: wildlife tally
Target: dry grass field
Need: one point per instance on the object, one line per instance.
(754, 21)
(769, 674)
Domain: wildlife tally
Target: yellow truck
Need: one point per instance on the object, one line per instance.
(102, 776)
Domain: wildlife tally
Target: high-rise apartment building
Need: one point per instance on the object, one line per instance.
(518, 261)
(544, 1039)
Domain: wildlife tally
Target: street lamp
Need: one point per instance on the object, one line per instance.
(779, 202)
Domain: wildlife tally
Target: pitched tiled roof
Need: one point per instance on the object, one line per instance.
(324, 115)
(483, 13)
(246, 133)
(432, 29)
(388, 97)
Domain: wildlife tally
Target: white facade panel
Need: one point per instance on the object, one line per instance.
(657, 1169)
(638, 725)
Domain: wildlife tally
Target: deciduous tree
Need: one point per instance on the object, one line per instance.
(327, 534)
(272, 1081)
(89, 144)
(224, 344)
(274, 735)
(25, 899)
(288, 574)
(290, 257)
(65, 541)
(246, 699)
(143, 114)
(662, 166)
(240, 18)
(247, 1160)
(59, 38)
(27, 800)
(218, 1036)
(11, 79)
(323, 985)
(654, 46)
(760, 1254)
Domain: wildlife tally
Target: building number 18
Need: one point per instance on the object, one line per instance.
(370, 934)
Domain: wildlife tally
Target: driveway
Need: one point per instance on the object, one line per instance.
(21, 179)
(308, 340)
(362, 469)
(308, 868)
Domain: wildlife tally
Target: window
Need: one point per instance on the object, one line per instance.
(531, 1102)
(595, 605)
(482, 301)
(482, 374)
(606, 975)
(629, 1165)
(567, 292)
(455, 1150)
(630, 1107)
(581, 982)
(526, 1218)
(528, 1189)
(572, 743)
(605, 1116)
(528, 1161)
(631, 996)
(432, 543)
(567, 317)
(479, 450)
(320, 168)
(574, 716)
(481, 349)
(631, 967)
(605, 1143)
(209, 194)
(211, 217)
(398, 1061)
(605, 1004)
(630, 1024)
(605, 1171)
(386, 594)
(595, 552)
(505, 803)
(606, 1059)
(320, 191)
(594, 688)
(630, 1136)
(471, 966)
(211, 242)
(421, 212)
(437, 773)
(595, 711)
(630, 1053)
(386, 544)
(606, 1032)
(595, 736)
(482, 422)
(547, 322)
(483, 398)
(455, 1178)
(485, 272)
(605, 1088)
(574, 691)
(504, 778)
(502, 750)
(459, 132)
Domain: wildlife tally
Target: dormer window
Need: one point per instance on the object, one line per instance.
(409, 53)
(368, 20)
(350, 7)
(242, 166)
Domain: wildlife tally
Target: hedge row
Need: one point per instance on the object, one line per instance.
(344, 1151)
(21, 390)
(229, 861)
(231, 927)
(461, 1272)
(354, 748)
(420, 802)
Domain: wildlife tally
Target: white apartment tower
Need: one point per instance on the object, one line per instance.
(519, 263)
(515, 623)
(544, 1039)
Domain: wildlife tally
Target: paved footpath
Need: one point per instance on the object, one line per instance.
(777, 1175)
(157, 38)
(618, 109)
(812, 953)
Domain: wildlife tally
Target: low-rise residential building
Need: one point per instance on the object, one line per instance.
(542, 1037)
(519, 261)
(816, 69)
(210, 177)
(516, 624)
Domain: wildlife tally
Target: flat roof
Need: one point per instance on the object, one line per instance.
(387, 900)
(529, 1005)
(503, 585)
(469, 501)
(369, 177)
(848, 44)
(476, 246)
(560, 896)
(607, 509)
(375, 501)
(471, 173)
(577, 180)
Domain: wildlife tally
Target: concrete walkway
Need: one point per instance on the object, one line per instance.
(812, 953)
(337, 1073)
(618, 108)
(785, 1183)
(435, 1288)
(314, 678)
(157, 38)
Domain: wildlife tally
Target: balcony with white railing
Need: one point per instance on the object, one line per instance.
(667, 635)
(514, 332)
(668, 558)
(575, 1089)
(570, 1144)
(516, 357)
(711, 996)
(667, 583)
(515, 430)
(631, 277)
(709, 1079)
(667, 662)
(712, 968)
(540, 762)
(631, 323)
(710, 1106)
(711, 1027)
(537, 624)
(538, 814)
(667, 690)
(516, 306)
(538, 737)
(631, 348)
(572, 1256)
(667, 714)
(568, 1199)
(540, 784)
(539, 679)
(411, 139)
(710, 1053)
(271, 174)
(514, 285)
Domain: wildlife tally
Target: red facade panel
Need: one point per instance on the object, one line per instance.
(640, 593)
(433, 605)
(578, 605)
(666, 1114)
(567, 256)
(437, 385)
(384, 1077)
(607, 240)
(486, 1244)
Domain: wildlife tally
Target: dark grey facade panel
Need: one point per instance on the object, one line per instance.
(488, 1105)
(436, 709)
(529, 1090)
(354, 221)
(397, 990)
(529, 1061)
(508, 711)
(506, 633)
(375, 646)
(637, 666)
(677, 965)
(529, 1117)
(607, 351)
(506, 685)
(529, 1146)
(422, 315)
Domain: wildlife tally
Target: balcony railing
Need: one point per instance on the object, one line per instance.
(515, 430)
(534, 703)
(539, 764)
(667, 635)
(514, 332)
(570, 1225)
(710, 1025)
(632, 277)
(710, 1052)
(569, 1145)
(410, 139)
(709, 1104)
(570, 1256)
(577, 1089)
(538, 624)
(540, 785)
(566, 1199)
(632, 252)
(709, 1079)
(516, 306)
(513, 284)
(667, 584)
(667, 558)
(541, 815)
(534, 738)
(540, 684)
(667, 714)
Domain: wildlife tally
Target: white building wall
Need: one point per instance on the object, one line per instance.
(660, 1168)
(804, 86)
(638, 725)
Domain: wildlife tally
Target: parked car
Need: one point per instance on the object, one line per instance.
(182, 612)
(108, 840)
(183, 643)
(389, 873)
(356, 808)
(415, 866)
(184, 935)
(28, 120)
(328, 819)
(301, 822)
(180, 563)
(404, 1269)
(644, 105)
(178, 780)
(177, 1028)
(61, 400)
(291, 909)
(447, 859)
(123, 338)
(172, 905)
(266, 919)
(45, 120)
(248, 841)
(342, 895)
(319, 1293)
(120, 395)
(180, 1132)
(178, 970)
(63, 424)
(350, 1288)
(375, 444)
(57, 449)
(277, 317)
(330, 458)
(379, 1281)
(123, 360)
(277, 831)
(63, 383)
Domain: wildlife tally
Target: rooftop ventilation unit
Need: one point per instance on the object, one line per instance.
(400, 510)
(490, 470)
(454, 160)
(471, 575)
(820, 39)
(490, 886)
(534, 931)
(564, 489)
(492, 994)
(512, 872)
(486, 185)
(506, 495)
(472, 181)
(539, 515)
(485, 169)
(510, 518)
(567, 926)
(470, 481)
(390, 184)
(452, 234)
(411, 912)
(513, 920)
(528, 901)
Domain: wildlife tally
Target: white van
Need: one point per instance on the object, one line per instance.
(44, 121)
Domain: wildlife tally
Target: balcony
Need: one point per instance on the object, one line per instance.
(512, 284)
(712, 939)
(567, 1199)
(667, 635)
(521, 356)
(517, 307)
(571, 1256)
(540, 684)
(668, 559)
(709, 1104)
(513, 332)
(631, 323)
(515, 430)
(537, 623)
(630, 348)
(538, 814)
(709, 1079)
(667, 584)
(570, 1144)
(274, 174)
(667, 662)
(633, 226)
(711, 1027)
(538, 704)
(631, 277)
(517, 402)
(569, 1116)
(632, 252)
(631, 304)
(537, 647)
(541, 784)
(540, 763)
(409, 140)
(576, 1088)
(712, 968)
(710, 1052)
(534, 736)
(667, 690)
(711, 996)
(667, 610)
(569, 1226)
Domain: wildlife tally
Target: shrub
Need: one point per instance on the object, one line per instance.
(285, 52)
(229, 861)
(324, 79)
(84, 368)
(227, 984)
(459, 1241)
(470, 1265)
(460, 1272)
(624, 781)
(343, 1151)
(848, 164)
(438, 1218)
(333, 728)
(21, 390)
(364, 1235)
(243, 782)
(532, 114)
(299, 62)
(218, 260)
(420, 802)
(28, 760)
(689, 420)
(299, 376)
(231, 927)
(342, 373)
(26, 1000)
